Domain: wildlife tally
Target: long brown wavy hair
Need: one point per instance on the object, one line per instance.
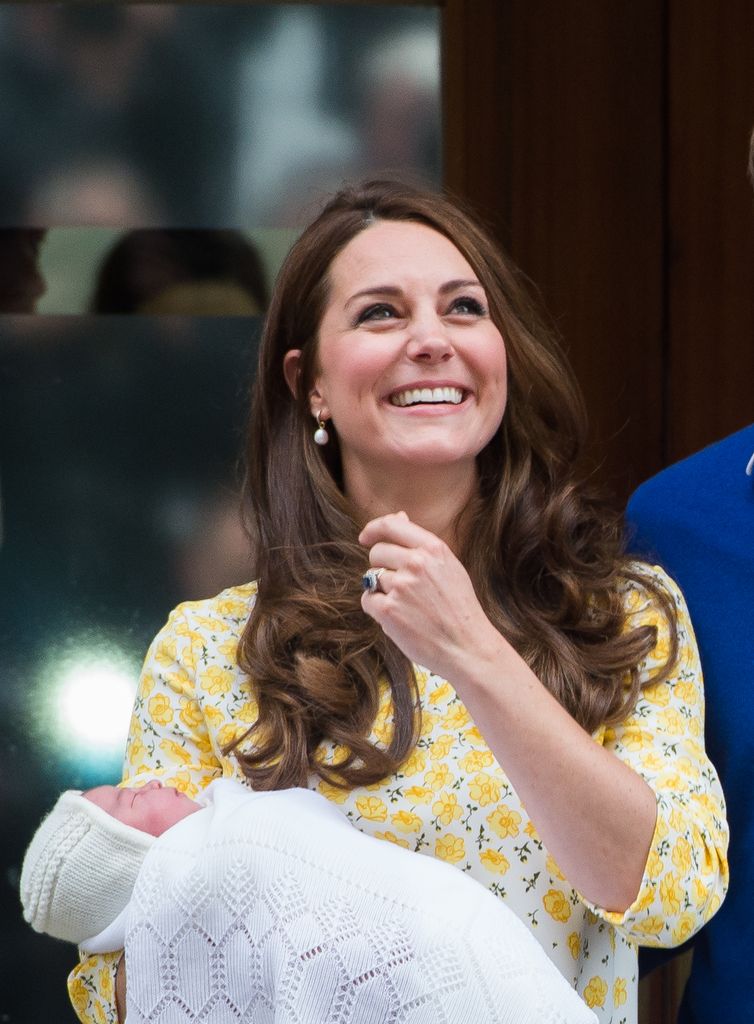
(544, 553)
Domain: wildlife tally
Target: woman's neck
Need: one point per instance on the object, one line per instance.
(433, 498)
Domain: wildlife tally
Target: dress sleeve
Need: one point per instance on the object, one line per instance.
(167, 739)
(686, 874)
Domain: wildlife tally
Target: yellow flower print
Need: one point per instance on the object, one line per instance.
(429, 721)
(658, 695)
(99, 1013)
(182, 781)
(456, 717)
(176, 752)
(229, 734)
(214, 717)
(684, 929)
(416, 763)
(232, 608)
(383, 726)
(440, 693)
(190, 713)
(651, 925)
(681, 855)
(442, 747)
(504, 822)
(180, 682)
(553, 868)
(700, 892)
(438, 777)
(672, 721)
(671, 893)
(620, 995)
(229, 650)
(646, 899)
(676, 820)
(531, 830)
(334, 793)
(712, 907)
(636, 739)
(686, 692)
(406, 821)
(422, 678)
(106, 984)
(371, 808)
(419, 795)
(695, 727)
(473, 735)
(146, 684)
(391, 837)
(450, 848)
(447, 809)
(78, 995)
(476, 760)
(216, 680)
(595, 992)
(494, 861)
(166, 653)
(661, 649)
(135, 751)
(160, 709)
(652, 762)
(248, 712)
(655, 866)
(557, 906)
(574, 944)
(212, 625)
(484, 790)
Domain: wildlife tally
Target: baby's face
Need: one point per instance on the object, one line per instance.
(152, 808)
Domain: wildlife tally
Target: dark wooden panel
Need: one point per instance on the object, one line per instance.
(476, 83)
(711, 379)
(586, 205)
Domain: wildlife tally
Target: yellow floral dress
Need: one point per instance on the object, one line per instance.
(452, 800)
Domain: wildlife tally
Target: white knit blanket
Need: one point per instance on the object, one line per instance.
(273, 907)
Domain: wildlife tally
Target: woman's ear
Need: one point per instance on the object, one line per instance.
(292, 368)
(292, 373)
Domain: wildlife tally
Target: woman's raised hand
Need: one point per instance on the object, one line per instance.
(425, 601)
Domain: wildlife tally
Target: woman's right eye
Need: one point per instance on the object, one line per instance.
(378, 311)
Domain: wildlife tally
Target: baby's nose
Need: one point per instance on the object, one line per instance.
(154, 784)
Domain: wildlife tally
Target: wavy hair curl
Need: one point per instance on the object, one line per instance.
(543, 550)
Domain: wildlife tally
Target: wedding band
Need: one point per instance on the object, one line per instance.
(371, 580)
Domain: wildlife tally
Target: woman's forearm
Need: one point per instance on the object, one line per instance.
(595, 815)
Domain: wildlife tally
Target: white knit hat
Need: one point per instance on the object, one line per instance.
(80, 868)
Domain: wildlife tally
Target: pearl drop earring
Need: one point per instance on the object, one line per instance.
(320, 434)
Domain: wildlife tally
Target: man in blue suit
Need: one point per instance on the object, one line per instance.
(696, 518)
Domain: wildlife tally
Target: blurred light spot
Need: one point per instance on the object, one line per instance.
(95, 701)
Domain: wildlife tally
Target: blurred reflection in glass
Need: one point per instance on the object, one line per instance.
(139, 115)
(181, 272)
(21, 282)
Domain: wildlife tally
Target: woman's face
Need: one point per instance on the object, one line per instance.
(410, 368)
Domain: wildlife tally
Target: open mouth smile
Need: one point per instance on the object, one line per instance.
(432, 396)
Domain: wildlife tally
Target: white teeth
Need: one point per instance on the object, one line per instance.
(454, 396)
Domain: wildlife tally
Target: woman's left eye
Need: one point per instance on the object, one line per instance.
(468, 306)
(377, 311)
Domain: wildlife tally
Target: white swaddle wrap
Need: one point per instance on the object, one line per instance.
(272, 907)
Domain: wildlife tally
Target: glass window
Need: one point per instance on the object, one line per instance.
(157, 160)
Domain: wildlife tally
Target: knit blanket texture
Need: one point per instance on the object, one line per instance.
(272, 907)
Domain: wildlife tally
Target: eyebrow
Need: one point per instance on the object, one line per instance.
(391, 289)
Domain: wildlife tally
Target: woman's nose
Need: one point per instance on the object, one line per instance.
(429, 341)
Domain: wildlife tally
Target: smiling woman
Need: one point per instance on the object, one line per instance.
(411, 372)
(510, 693)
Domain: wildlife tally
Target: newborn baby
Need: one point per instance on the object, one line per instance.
(272, 906)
